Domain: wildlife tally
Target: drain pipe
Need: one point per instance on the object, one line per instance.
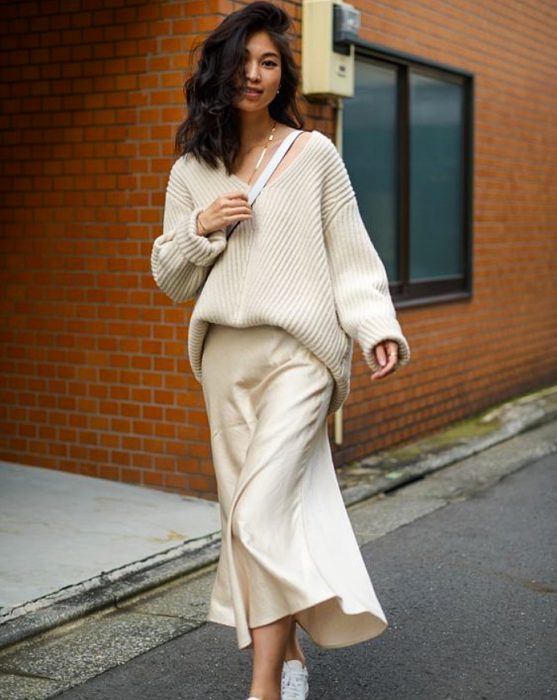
(338, 142)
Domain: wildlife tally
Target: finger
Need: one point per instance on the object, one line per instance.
(237, 217)
(236, 195)
(230, 211)
(390, 351)
(392, 347)
(234, 219)
(236, 201)
(380, 355)
(236, 204)
(382, 372)
(387, 369)
(392, 359)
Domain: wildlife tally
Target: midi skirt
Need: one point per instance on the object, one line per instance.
(288, 546)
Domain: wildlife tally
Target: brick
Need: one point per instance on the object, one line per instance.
(95, 353)
(153, 479)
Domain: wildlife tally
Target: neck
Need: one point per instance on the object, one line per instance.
(255, 127)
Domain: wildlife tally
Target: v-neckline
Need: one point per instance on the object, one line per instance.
(272, 182)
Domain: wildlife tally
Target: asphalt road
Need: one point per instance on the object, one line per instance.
(469, 591)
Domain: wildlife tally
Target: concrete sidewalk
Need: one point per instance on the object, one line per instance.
(63, 533)
(73, 544)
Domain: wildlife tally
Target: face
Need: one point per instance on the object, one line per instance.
(262, 73)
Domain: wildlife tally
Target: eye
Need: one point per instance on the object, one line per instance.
(269, 63)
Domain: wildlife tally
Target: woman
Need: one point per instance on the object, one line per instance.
(270, 340)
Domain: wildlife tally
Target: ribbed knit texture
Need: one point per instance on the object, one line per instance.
(304, 261)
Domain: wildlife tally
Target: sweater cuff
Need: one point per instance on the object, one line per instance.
(378, 330)
(200, 250)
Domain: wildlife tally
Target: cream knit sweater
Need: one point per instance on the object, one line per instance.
(304, 261)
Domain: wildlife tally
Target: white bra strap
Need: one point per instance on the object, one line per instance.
(272, 164)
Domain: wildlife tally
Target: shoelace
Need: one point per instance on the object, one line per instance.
(292, 684)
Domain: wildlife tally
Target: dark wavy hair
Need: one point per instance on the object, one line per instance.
(211, 131)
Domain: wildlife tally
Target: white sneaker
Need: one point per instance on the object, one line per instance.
(295, 681)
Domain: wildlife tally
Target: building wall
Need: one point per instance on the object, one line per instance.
(94, 371)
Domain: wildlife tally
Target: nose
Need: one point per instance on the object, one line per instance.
(252, 71)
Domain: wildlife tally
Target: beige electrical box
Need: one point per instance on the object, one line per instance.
(329, 30)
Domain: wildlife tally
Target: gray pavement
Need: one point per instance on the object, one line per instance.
(463, 561)
(469, 591)
(71, 545)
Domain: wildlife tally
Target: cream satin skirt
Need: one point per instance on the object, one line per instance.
(288, 546)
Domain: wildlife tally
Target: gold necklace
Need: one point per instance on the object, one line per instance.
(271, 135)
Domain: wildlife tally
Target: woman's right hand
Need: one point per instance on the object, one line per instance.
(225, 210)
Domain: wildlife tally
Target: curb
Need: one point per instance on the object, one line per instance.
(516, 416)
(110, 588)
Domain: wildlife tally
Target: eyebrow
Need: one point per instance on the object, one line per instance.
(268, 53)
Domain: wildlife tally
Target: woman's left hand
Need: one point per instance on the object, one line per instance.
(386, 354)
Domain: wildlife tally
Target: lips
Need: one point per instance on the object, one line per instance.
(250, 91)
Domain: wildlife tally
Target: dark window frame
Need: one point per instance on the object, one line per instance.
(404, 292)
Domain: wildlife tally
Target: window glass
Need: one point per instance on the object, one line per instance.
(370, 154)
(436, 115)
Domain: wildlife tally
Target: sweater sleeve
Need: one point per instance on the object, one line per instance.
(181, 258)
(360, 285)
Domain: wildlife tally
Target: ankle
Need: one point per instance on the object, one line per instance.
(293, 648)
(267, 687)
(264, 694)
(294, 651)
(295, 654)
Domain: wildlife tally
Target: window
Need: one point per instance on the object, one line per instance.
(407, 146)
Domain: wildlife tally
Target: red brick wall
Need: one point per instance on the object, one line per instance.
(94, 371)
(470, 354)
